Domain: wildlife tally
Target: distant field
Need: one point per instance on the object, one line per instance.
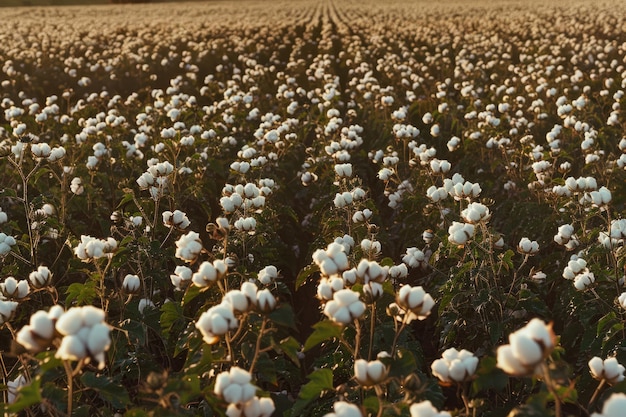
(17, 3)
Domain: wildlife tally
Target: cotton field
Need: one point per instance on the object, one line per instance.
(313, 209)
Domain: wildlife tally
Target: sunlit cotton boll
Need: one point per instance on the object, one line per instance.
(177, 219)
(40, 278)
(455, 366)
(440, 166)
(246, 224)
(584, 280)
(331, 261)
(6, 242)
(601, 198)
(622, 300)
(609, 370)
(343, 170)
(329, 286)
(613, 407)
(460, 233)
(209, 272)
(14, 289)
(344, 409)
(85, 334)
(7, 310)
(131, 284)
(181, 277)
(343, 199)
(216, 321)
(371, 373)
(188, 247)
(415, 300)
(426, 409)
(476, 213)
(256, 407)
(38, 334)
(436, 194)
(234, 386)
(267, 275)
(368, 271)
(415, 258)
(265, 301)
(344, 307)
(527, 348)
(76, 186)
(527, 247)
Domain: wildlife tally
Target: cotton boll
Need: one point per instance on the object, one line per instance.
(71, 348)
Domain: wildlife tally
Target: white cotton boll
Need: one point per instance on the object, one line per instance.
(233, 394)
(527, 247)
(398, 271)
(267, 275)
(131, 284)
(426, 409)
(622, 300)
(266, 301)
(145, 303)
(98, 340)
(328, 286)
(42, 325)
(508, 362)
(613, 407)
(584, 280)
(70, 322)
(370, 373)
(238, 301)
(439, 368)
(525, 349)
(601, 197)
(72, 348)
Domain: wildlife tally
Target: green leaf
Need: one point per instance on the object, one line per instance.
(306, 272)
(507, 259)
(135, 330)
(604, 323)
(283, 316)
(172, 318)
(489, 376)
(128, 197)
(319, 381)
(323, 331)
(81, 294)
(109, 390)
(190, 293)
(290, 346)
(403, 365)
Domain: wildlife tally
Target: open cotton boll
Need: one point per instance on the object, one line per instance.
(42, 325)
(72, 348)
(609, 370)
(613, 407)
(70, 322)
(370, 373)
(528, 347)
(525, 349)
(234, 386)
(344, 307)
(426, 409)
(344, 409)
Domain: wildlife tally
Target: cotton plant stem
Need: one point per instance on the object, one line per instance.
(372, 326)
(70, 386)
(595, 393)
(549, 383)
(257, 348)
(464, 397)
